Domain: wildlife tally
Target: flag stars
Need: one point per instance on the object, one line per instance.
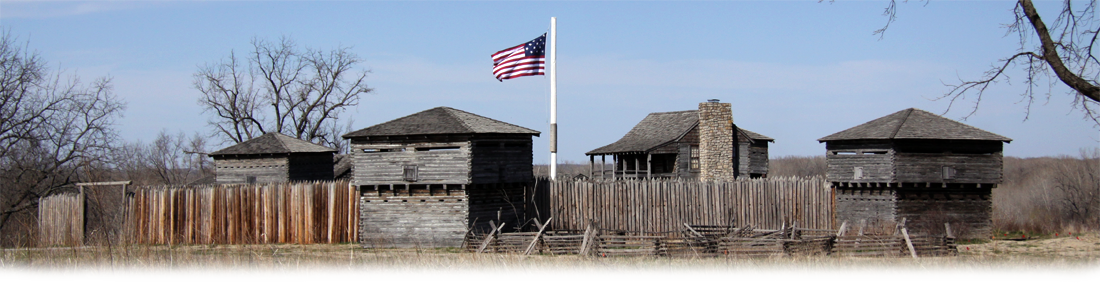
(527, 59)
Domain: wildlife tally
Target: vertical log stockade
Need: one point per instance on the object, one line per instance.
(655, 206)
(303, 213)
(328, 212)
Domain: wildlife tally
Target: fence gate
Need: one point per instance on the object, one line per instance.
(63, 217)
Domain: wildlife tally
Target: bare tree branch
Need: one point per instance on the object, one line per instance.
(1065, 48)
(52, 128)
(304, 92)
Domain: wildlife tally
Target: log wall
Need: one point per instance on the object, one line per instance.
(310, 167)
(266, 169)
(744, 159)
(969, 168)
(969, 210)
(501, 161)
(758, 158)
(868, 205)
(431, 216)
(433, 166)
(415, 217)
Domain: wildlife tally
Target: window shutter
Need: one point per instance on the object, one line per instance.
(411, 173)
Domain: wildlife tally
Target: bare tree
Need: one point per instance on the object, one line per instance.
(228, 94)
(298, 92)
(1079, 182)
(169, 159)
(52, 128)
(1065, 48)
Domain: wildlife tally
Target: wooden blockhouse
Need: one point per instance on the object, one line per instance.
(273, 157)
(427, 178)
(672, 145)
(917, 166)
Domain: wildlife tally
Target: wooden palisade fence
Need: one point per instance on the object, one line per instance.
(657, 206)
(61, 220)
(302, 213)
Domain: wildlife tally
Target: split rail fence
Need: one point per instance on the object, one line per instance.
(714, 241)
(661, 206)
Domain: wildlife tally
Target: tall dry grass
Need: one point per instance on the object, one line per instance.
(288, 262)
(797, 166)
(1049, 194)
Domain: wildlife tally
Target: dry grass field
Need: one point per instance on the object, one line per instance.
(1066, 258)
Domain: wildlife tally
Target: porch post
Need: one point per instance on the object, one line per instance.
(649, 166)
(637, 167)
(603, 160)
(591, 166)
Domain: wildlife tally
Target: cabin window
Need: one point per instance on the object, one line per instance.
(857, 173)
(435, 149)
(874, 152)
(948, 173)
(411, 173)
(844, 153)
(694, 158)
(250, 179)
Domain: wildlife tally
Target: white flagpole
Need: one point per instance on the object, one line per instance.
(553, 98)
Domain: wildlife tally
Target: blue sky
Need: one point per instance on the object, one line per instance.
(795, 71)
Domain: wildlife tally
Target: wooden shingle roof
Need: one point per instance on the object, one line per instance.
(657, 129)
(440, 120)
(756, 136)
(914, 123)
(272, 143)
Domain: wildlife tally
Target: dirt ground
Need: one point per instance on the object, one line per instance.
(1087, 244)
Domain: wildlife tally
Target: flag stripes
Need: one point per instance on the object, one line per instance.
(526, 59)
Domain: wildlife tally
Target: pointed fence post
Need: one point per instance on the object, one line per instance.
(489, 238)
(843, 227)
(534, 241)
(908, 242)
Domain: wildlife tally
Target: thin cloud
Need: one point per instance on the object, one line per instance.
(42, 9)
(859, 76)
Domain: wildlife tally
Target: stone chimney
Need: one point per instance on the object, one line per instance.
(715, 141)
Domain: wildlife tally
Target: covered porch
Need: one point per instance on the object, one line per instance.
(633, 165)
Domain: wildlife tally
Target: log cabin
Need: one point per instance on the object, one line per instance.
(273, 157)
(690, 144)
(917, 166)
(427, 178)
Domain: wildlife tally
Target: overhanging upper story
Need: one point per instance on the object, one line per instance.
(914, 146)
(441, 145)
(273, 157)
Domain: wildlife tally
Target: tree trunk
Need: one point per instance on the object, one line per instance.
(1050, 55)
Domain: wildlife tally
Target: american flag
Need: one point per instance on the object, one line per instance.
(527, 59)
